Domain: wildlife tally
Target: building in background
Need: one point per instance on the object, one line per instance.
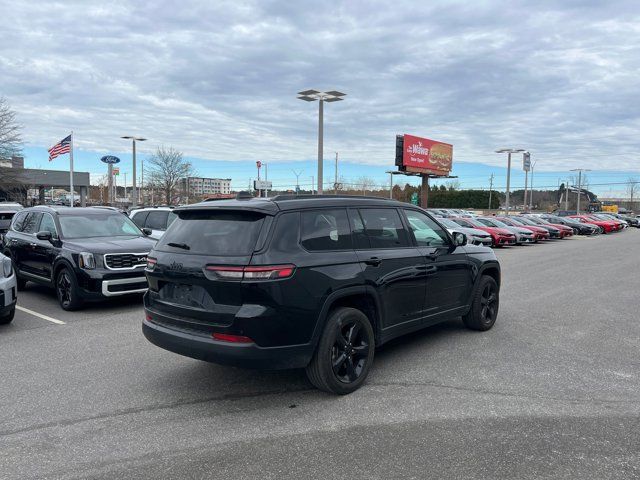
(198, 187)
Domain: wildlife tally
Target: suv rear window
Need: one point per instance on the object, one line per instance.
(213, 232)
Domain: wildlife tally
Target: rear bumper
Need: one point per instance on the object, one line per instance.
(247, 355)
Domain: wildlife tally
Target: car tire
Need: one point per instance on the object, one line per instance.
(6, 319)
(344, 354)
(67, 290)
(484, 305)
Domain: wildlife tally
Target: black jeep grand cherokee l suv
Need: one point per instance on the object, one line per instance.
(315, 282)
(84, 253)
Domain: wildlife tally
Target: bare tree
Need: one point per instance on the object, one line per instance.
(10, 139)
(366, 183)
(167, 168)
(633, 186)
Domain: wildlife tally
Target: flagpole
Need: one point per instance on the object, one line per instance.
(71, 171)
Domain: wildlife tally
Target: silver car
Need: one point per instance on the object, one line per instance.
(475, 236)
(8, 289)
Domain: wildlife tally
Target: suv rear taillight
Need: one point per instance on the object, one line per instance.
(263, 272)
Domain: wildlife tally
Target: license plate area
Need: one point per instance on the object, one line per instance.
(193, 296)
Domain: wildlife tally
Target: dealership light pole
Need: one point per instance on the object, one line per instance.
(134, 194)
(579, 170)
(533, 165)
(509, 151)
(312, 96)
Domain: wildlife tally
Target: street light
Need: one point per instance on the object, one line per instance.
(533, 166)
(134, 200)
(579, 170)
(312, 96)
(509, 151)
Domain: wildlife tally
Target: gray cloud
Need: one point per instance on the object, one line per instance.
(218, 79)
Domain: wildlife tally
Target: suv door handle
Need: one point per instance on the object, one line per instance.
(373, 261)
(31, 244)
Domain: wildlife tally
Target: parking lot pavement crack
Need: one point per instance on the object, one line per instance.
(484, 391)
(151, 408)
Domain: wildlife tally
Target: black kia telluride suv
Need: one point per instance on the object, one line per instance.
(84, 253)
(315, 282)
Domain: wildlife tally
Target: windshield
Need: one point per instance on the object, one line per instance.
(448, 223)
(213, 232)
(107, 224)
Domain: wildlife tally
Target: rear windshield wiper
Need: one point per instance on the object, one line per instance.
(183, 246)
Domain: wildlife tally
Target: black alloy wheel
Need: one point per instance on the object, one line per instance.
(484, 307)
(489, 302)
(350, 351)
(67, 290)
(344, 354)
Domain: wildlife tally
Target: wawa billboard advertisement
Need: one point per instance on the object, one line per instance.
(422, 155)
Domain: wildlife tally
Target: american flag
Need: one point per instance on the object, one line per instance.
(63, 146)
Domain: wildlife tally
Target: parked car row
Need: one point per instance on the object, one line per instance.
(500, 230)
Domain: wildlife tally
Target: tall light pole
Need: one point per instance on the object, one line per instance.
(509, 151)
(312, 96)
(297, 174)
(533, 165)
(134, 192)
(579, 170)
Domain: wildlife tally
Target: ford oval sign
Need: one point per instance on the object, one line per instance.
(110, 159)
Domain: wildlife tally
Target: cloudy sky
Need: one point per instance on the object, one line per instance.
(217, 80)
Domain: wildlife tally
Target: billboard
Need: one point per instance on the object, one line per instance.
(422, 155)
(526, 162)
(262, 185)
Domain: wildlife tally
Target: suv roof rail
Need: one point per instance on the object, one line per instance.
(279, 198)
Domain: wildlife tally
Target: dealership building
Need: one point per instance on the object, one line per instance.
(17, 181)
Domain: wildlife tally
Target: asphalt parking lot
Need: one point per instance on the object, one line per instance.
(553, 391)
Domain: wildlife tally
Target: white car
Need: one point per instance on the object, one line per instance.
(8, 289)
(156, 219)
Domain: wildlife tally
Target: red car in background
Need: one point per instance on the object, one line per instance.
(605, 225)
(540, 233)
(499, 236)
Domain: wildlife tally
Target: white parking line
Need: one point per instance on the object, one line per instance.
(40, 315)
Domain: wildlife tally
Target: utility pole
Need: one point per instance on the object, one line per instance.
(566, 199)
(125, 184)
(579, 170)
(335, 183)
(490, 190)
(391, 185)
(312, 184)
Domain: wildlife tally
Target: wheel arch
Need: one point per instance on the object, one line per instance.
(364, 298)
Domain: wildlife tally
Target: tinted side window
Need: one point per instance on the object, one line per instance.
(139, 218)
(18, 221)
(48, 225)
(157, 220)
(384, 228)
(325, 230)
(32, 222)
(426, 232)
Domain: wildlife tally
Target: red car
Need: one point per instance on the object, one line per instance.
(499, 236)
(605, 225)
(619, 223)
(540, 233)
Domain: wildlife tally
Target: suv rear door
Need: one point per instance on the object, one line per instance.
(391, 265)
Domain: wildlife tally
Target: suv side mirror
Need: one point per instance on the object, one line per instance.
(44, 235)
(147, 231)
(459, 239)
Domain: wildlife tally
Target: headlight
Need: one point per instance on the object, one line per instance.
(87, 261)
(7, 268)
